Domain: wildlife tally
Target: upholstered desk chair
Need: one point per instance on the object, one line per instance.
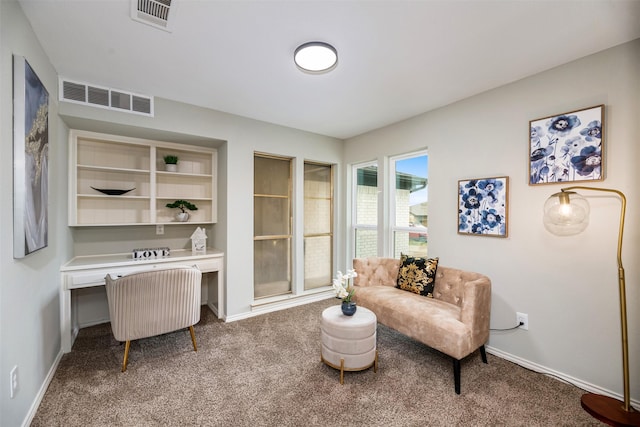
(152, 303)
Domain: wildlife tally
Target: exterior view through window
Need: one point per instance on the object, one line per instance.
(365, 197)
(410, 213)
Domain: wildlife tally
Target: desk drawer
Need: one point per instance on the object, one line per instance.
(87, 279)
(207, 265)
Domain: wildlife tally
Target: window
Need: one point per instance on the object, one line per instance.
(365, 210)
(409, 214)
(318, 225)
(272, 226)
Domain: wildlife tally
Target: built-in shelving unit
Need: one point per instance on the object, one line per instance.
(110, 162)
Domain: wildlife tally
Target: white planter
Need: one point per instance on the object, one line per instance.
(171, 167)
(182, 216)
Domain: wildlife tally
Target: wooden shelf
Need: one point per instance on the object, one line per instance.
(116, 162)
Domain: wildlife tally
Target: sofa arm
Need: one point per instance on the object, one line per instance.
(476, 309)
(376, 271)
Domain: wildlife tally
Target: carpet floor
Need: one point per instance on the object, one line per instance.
(266, 371)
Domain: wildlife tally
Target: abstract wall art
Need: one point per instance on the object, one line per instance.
(567, 147)
(30, 160)
(482, 206)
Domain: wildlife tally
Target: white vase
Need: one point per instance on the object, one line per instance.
(171, 167)
(182, 216)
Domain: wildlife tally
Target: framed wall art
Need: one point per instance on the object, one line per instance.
(482, 206)
(567, 147)
(30, 160)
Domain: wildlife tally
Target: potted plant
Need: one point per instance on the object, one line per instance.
(344, 289)
(171, 162)
(183, 205)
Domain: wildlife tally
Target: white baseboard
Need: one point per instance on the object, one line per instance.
(43, 389)
(281, 304)
(591, 388)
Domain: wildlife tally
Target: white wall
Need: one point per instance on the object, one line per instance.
(29, 302)
(567, 286)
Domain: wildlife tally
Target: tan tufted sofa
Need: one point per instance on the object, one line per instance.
(455, 321)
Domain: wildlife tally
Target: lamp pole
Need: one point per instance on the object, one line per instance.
(605, 409)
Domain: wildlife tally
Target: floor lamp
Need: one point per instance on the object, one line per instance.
(567, 213)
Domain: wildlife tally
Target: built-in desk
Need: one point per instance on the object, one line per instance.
(90, 271)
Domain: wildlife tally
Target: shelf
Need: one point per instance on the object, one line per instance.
(113, 169)
(191, 199)
(116, 162)
(106, 196)
(185, 174)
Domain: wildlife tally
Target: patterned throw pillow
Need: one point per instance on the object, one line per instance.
(417, 275)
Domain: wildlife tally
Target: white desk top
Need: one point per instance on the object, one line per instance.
(110, 260)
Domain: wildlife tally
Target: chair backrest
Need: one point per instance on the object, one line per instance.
(154, 302)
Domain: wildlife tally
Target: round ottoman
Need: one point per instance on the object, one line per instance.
(349, 342)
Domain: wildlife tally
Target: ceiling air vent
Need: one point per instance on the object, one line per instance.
(96, 96)
(153, 12)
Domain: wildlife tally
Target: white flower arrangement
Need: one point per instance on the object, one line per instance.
(343, 285)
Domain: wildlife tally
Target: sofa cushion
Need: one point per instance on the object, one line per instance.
(428, 320)
(417, 275)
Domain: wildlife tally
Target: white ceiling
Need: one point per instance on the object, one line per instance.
(397, 58)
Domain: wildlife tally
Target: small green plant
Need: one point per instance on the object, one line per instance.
(170, 159)
(183, 205)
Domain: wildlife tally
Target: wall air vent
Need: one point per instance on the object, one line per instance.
(156, 13)
(96, 96)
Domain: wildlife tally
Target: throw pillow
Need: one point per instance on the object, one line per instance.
(417, 275)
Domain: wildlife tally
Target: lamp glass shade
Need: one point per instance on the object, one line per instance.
(566, 213)
(316, 57)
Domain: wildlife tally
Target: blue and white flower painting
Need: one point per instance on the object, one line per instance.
(482, 206)
(567, 147)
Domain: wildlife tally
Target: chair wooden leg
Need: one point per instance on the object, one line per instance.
(193, 338)
(483, 354)
(456, 375)
(126, 355)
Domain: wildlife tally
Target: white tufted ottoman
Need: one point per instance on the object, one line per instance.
(349, 342)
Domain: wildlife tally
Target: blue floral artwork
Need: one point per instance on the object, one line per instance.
(567, 147)
(482, 206)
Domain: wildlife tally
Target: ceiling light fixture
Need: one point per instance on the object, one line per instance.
(316, 57)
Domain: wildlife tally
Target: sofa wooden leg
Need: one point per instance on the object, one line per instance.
(456, 374)
(483, 354)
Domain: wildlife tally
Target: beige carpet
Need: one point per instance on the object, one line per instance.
(266, 371)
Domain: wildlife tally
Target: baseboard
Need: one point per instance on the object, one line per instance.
(43, 389)
(93, 322)
(281, 304)
(591, 388)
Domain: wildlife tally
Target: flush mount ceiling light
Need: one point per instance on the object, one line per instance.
(316, 57)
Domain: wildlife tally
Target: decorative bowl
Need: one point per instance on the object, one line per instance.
(112, 192)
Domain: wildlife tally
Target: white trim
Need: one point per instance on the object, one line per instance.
(287, 302)
(592, 388)
(33, 409)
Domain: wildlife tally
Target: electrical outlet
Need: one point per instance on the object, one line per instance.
(524, 319)
(159, 229)
(13, 376)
